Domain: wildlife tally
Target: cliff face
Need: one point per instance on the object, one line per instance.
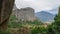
(24, 13)
(5, 11)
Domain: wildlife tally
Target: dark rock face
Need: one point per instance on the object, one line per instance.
(0, 8)
(5, 11)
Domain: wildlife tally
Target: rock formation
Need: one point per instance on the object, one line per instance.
(5, 11)
(24, 13)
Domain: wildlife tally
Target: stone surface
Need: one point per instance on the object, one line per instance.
(24, 13)
(5, 11)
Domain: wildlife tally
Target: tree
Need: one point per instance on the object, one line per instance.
(57, 22)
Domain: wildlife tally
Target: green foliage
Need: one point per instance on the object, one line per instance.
(39, 30)
(12, 18)
(50, 30)
(6, 32)
(12, 23)
(54, 28)
(56, 24)
(35, 22)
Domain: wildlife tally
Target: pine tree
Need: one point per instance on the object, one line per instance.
(57, 22)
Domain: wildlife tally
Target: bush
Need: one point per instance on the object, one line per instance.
(12, 23)
(39, 30)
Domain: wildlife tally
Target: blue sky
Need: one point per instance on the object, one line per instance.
(39, 5)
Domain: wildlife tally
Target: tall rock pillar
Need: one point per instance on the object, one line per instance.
(5, 11)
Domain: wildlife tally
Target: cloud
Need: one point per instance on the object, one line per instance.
(38, 5)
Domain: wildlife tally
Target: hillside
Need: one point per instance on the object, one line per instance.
(45, 16)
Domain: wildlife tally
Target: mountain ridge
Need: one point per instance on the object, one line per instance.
(45, 16)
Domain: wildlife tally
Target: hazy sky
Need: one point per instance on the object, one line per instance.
(38, 5)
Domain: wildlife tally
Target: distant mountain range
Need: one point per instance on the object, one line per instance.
(45, 16)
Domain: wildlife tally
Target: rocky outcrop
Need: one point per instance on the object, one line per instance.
(24, 13)
(5, 11)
